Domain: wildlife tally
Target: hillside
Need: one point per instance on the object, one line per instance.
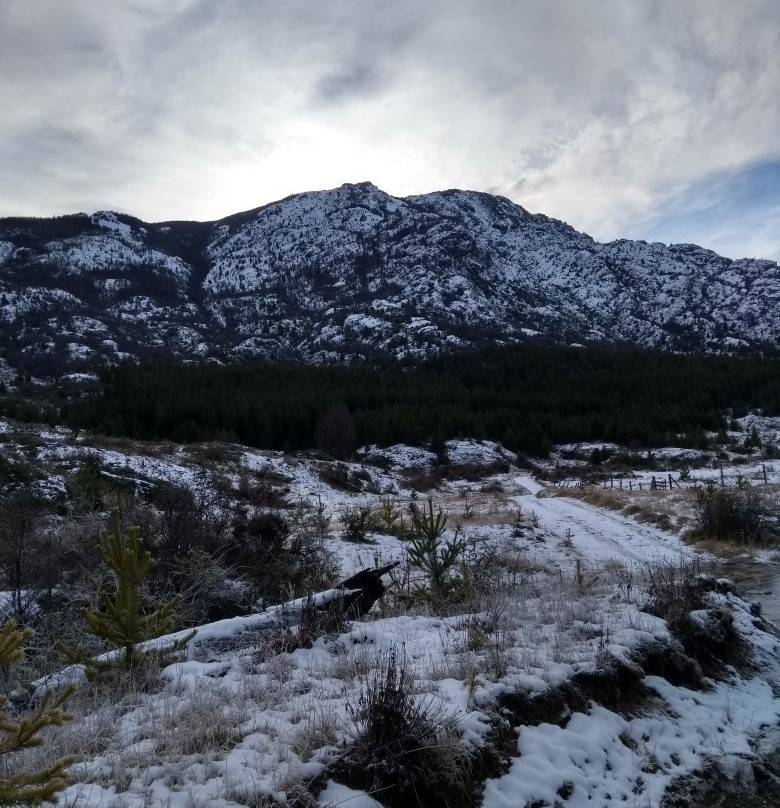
(573, 655)
(337, 275)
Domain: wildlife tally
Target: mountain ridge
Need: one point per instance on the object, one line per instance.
(352, 272)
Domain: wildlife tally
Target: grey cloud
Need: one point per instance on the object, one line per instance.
(593, 112)
(357, 80)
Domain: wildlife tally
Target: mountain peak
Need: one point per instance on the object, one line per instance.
(353, 272)
(365, 185)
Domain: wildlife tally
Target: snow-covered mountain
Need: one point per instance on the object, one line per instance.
(351, 272)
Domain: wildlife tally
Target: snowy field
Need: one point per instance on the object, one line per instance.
(242, 720)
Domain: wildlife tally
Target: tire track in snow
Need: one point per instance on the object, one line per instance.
(600, 534)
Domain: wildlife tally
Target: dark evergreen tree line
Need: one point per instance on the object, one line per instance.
(528, 397)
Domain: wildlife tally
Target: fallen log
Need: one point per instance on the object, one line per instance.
(350, 599)
(363, 589)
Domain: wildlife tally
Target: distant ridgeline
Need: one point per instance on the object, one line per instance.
(351, 274)
(527, 397)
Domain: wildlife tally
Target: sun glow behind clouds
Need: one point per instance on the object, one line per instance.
(599, 114)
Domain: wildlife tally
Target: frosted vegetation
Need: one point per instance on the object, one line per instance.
(552, 635)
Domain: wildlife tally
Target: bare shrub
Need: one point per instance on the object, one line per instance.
(678, 594)
(405, 750)
(423, 480)
(284, 561)
(339, 475)
(208, 589)
(182, 518)
(731, 514)
(269, 490)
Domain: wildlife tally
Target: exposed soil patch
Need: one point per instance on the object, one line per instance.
(756, 786)
(617, 686)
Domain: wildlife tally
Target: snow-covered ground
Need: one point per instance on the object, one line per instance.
(240, 721)
(290, 713)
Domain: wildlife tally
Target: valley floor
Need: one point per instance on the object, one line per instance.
(556, 677)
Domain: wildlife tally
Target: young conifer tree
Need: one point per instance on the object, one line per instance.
(123, 619)
(28, 787)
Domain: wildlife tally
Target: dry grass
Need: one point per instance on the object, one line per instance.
(495, 512)
(668, 510)
(722, 549)
(205, 721)
(318, 730)
(466, 509)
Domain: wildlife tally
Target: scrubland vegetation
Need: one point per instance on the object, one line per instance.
(508, 609)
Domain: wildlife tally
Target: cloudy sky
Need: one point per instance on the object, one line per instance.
(655, 119)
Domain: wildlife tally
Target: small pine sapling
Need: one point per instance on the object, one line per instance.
(389, 518)
(28, 787)
(321, 519)
(427, 552)
(520, 523)
(124, 621)
(357, 522)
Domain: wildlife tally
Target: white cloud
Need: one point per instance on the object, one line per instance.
(591, 112)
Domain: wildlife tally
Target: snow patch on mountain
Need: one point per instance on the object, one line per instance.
(353, 272)
(6, 250)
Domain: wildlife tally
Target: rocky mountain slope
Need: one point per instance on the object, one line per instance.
(353, 272)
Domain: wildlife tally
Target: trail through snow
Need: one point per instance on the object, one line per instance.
(599, 534)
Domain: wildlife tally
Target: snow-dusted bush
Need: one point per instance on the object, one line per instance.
(403, 748)
(731, 514)
(706, 630)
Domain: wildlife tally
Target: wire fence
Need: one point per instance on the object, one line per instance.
(667, 481)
